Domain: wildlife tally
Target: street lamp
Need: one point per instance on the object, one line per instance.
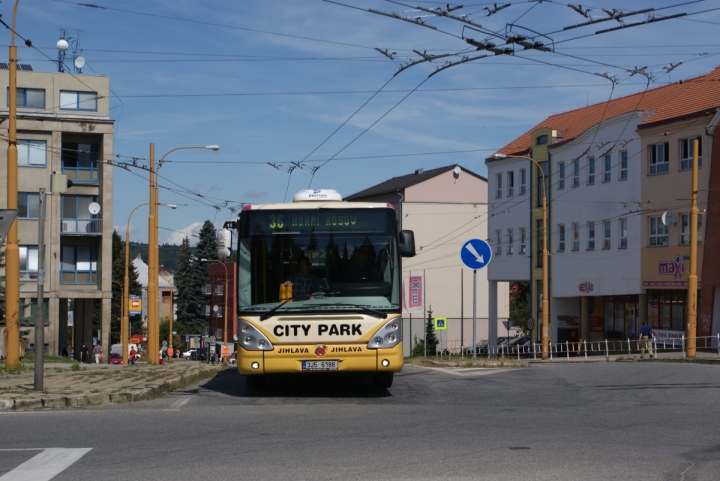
(225, 301)
(544, 303)
(124, 324)
(153, 265)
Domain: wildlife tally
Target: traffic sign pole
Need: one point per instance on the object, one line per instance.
(474, 344)
(475, 254)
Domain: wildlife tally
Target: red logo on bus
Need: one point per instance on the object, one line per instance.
(320, 350)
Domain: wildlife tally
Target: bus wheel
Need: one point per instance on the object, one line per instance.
(383, 380)
(254, 382)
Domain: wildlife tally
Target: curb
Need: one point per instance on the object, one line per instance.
(141, 393)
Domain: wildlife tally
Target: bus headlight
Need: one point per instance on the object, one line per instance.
(387, 336)
(252, 339)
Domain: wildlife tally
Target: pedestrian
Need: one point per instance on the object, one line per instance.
(133, 355)
(161, 356)
(645, 339)
(97, 352)
(65, 352)
(225, 352)
(84, 354)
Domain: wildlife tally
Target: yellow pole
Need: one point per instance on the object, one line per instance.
(225, 312)
(152, 284)
(12, 250)
(125, 323)
(692, 276)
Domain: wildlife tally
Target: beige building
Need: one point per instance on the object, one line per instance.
(64, 127)
(444, 207)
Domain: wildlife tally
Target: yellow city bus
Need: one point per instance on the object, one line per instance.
(319, 288)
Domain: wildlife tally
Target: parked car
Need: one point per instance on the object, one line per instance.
(115, 358)
(482, 346)
(190, 355)
(523, 344)
(202, 354)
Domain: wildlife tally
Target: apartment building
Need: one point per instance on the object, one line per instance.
(64, 127)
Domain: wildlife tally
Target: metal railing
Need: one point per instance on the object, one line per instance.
(604, 348)
(81, 226)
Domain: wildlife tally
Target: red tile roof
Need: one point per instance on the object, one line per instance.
(681, 99)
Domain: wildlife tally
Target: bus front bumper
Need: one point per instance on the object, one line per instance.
(350, 358)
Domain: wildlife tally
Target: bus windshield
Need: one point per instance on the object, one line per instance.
(333, 259)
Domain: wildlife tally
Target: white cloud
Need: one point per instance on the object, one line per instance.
(191, 231)
(120, 229)
(255, 194)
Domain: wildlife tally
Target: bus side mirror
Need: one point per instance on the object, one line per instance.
(406, 243)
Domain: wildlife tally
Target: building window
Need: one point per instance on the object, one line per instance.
(561, 175)
(498, 191)
(591, 236)
(28, 262)
(667, 309)
(28, 205)
(79, 162)
(76, 217)
(32, 153)
(576, 173)
(591, 170)
(498, 242)
(608, 168)
(74, 100)
(510, 183)
(522, 240)
(659, 162)
(78, 265)
(29, 98)
(539, 241)
(608, 235)
(623, 165)
(523, 181)
(685, 229)
(510, 241)
(561, 237)
(686, 153)
(623, 233)
(541, 140)
(658, 232)
(576, 236)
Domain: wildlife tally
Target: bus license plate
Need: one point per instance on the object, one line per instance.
(319, 365)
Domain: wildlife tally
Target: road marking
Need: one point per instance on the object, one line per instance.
(178, 404)
(46, 465)
(466, 371)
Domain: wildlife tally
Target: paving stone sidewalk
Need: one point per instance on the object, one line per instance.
(96, 384)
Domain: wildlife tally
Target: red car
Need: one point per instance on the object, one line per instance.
(115, 358)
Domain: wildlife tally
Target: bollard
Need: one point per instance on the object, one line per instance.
(607, 352)
(567, 350)
(535, 350)
(629, 352)
(550, 349)
(585, 346)
(683, 345)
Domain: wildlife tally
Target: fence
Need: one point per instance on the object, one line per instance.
(606, 347)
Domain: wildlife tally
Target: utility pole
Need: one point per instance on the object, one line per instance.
(40, 311)
(692, 275)
(153, 344)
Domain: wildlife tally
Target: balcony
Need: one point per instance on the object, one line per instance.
(81, 226)
(81, 175)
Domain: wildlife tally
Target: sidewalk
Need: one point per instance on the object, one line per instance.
(96, 384)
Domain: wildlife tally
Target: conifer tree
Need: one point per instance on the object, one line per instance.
(190, 278)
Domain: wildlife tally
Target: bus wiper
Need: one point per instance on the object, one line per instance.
(272, 311)
(365, 309)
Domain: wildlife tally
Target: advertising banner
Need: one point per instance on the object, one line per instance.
(413, 295)
(668, 338)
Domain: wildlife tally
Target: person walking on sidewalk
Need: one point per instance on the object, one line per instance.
(133, 356)
(645, 339)
(97, 353)
(84, 354)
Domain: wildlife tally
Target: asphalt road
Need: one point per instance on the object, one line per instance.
(628, 421)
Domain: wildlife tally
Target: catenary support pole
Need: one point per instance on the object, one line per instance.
(692, 275)
(40, 309)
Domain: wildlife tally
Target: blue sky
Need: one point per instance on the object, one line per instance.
(269, 81)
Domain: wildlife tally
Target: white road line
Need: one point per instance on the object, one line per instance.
(466, 371)
(178, 404)
(46, 465)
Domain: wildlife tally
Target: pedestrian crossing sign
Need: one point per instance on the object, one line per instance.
(440, 323)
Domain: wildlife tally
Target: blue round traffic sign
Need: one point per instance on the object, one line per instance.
(476, 254)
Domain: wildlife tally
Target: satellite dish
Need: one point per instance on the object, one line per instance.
(457, 170)
(79, 62)
(216, 308)
(62, 44)
(668, 219)
(94, 208)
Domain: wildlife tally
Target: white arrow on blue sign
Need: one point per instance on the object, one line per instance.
(476, 254)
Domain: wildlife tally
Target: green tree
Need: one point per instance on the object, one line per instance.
(520, 305)
(190, 278)
(207, 245)
(430, 337)
(134, 288)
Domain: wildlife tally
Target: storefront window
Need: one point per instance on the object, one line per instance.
(667, 308)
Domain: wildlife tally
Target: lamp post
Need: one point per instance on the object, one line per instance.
(124, 324)
(12, 250)
(544, 303)
(225, 301)
(153, 267)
